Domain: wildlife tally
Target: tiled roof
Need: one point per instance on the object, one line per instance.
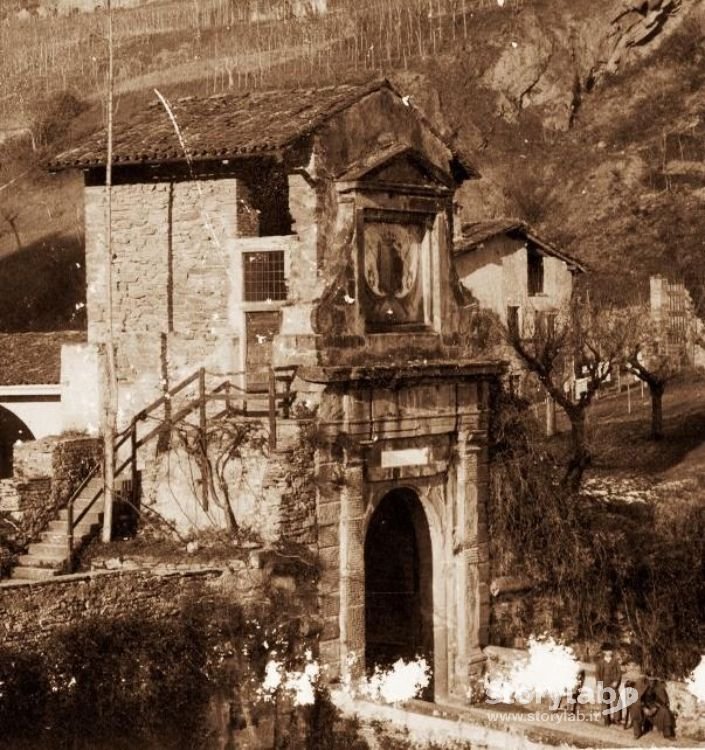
(475, 233)
(224, 126)
(34, 358)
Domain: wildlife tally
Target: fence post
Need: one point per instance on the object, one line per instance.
(272, 410)
(550, 416)
(203, 437)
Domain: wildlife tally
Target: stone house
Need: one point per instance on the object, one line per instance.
(511, 271)
(313, 229)
(524, 280)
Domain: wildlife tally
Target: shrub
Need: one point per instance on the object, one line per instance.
(628, 572)
(54, 116)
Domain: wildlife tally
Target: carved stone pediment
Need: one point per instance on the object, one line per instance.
(397, 165)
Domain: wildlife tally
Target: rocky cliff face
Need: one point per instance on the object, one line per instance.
(588, 120)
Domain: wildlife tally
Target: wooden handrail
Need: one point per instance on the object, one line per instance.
(226, 391)
(71, 524)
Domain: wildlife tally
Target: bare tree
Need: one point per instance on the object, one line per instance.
(655, 361)
(11, 214)
(585, 337)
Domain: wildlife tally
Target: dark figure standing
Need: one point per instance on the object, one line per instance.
(635, 712)
(608, 675)
(657, 709)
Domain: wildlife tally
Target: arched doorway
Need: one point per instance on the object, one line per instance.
(398, 583)
(12, 429)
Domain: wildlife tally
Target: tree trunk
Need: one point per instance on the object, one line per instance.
(582, 457)
(657, 390)
(12, 222)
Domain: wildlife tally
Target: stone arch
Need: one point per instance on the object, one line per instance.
(399, 581)
(12, 429)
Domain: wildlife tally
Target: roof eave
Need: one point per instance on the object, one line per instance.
(84, 165)
(460, 248)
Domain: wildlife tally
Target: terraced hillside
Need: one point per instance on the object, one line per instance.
(584, 118)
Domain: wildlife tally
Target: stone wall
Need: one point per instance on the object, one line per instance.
(189, 638)
(26, 505)
(170, 279)
(270, 494)
(31, 612)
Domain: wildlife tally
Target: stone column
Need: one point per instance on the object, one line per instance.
(341, 512)
(328, 514)
(470, 547)
(352, 566)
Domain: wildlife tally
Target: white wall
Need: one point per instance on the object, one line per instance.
(496, 273)
(80, 388)
(38, 406)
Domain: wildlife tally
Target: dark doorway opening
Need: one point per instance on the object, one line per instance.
(398, 583)
(12, 429)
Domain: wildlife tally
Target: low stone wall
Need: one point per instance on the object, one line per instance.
(26, 503)
(31, 612)
(179, 648)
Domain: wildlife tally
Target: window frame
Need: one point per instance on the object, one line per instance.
(535, 271)
(267, 300)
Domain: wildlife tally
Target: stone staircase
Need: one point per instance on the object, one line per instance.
(54, 552)
(50, 555)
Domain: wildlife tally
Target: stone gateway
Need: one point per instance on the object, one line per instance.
(312, 230)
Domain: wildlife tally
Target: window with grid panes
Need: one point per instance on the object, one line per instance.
(264, 276)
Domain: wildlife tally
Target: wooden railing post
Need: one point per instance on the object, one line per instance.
(69, 529)
(272, 409)
(203, 435)
(133, 467)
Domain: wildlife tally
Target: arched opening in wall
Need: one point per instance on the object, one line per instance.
(12, 429)
(398, 583)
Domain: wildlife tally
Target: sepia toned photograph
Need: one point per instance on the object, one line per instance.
(352, 374)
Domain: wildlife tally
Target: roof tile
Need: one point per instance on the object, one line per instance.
(34, 358)
(223, 126)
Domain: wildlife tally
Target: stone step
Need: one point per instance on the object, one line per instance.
(45, 549)
(54, 537)
(93, 515)
(90, 490)
(83, 528)
(45, 561)
(29, 573)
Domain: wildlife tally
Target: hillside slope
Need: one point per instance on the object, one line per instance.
(584, 118)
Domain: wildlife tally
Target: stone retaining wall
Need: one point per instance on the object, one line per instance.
(31, 612)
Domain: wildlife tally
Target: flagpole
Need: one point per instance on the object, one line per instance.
(110, 395)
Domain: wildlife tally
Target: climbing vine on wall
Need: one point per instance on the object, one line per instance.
(219, 452)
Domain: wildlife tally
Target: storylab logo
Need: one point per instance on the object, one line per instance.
(612, 700)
